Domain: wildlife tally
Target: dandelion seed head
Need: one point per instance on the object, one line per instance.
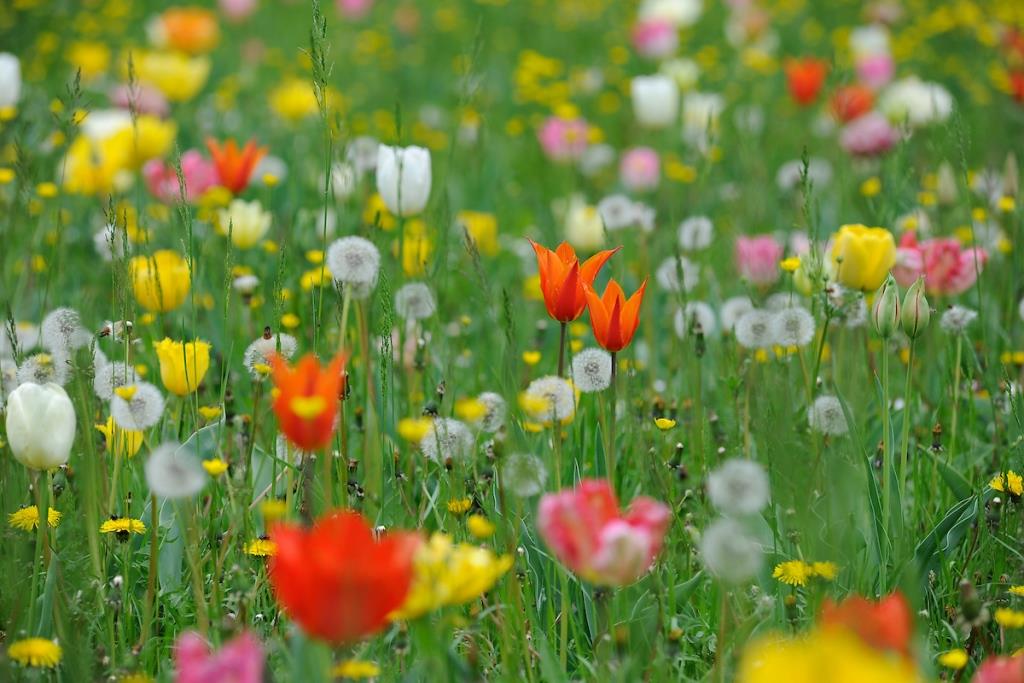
(414, 301)
(142, 411)
(111, 376)
(826, 416)
(245, 284)
(793, 326)
(494, 418)
(44, 368)
(260, 351)
(754, 329)
(780, 301)
(667, 274)
(617, 211)
(729, 552)
(696, 314)
(956, 319)
(447, 438)
(592, 370)
(739, 487)
(174, 472)
(524, 475)
(62, 332)
(733, 309)
(26, 336)
(550, 398)
(354, 261)
(696, 233)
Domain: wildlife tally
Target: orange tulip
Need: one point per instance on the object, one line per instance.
(234, 166)
(613, 318)
(190, 29)
(562, 279)
(307, 399)
(805, 78)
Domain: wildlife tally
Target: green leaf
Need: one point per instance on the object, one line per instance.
(956, 482)
(947, 534)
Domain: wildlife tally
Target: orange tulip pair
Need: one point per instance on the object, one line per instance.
(567, 287)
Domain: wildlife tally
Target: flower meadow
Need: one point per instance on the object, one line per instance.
(512, 340)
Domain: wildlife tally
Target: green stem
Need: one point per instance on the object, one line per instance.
(610, 453)
(886, 457)
(38, 565)
(956, 396)
(561, 350)
(195, 567)
(905, 437)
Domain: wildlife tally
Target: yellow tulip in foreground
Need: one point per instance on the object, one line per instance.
(863, 256)
(161, 281)
(182, 366)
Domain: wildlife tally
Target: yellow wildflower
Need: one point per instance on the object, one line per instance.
(793, 572)
(954, 659)
(121, 441)
(260, 547)
(1009, 618)
(413, 429)
(215, 467)
(123, 526)
(664, 423)
(355, 669)
(182, 365)
(460, 506)
(824, 570)
(36, 652)
(480, 526)
(27, 518)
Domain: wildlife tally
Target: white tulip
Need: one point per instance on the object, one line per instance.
(246, 222)
(655, 100)
(40, 425)
(10, 80)
(403, 178)
(584, 227)
(916, 102)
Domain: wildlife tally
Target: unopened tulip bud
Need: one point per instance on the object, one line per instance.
(916, 313)
(885, 314)
(40, 425)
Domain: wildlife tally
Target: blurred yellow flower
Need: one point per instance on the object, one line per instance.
(215, 467)
(954, 659)
(470, 409)
(90, 57)
(480, 526)
(120, 441)
(413, 429)
(664, 423)
(376, 213)
(178, 76)
(863, 256)
(182, 365)
(482, 229)
(260, 547)
(27, 518)
(355, 669)
(294, 99)
(1009, 618)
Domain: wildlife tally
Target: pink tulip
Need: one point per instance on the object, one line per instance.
(1000, 670)
(757, 259)
(875, 71)
(868, 135)
(147, 100)
(237, 10)
(589, 534)
(162, 180)
(353, 9)
(640, 169)
(563, 139)
(240, 661)
(948, 268)
(655, 38)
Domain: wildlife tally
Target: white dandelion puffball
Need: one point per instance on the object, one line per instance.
(779, 301)
(354, 261)
(617, 211)
(263, 349)
(956, 319)
(173, 472)
(414, 301)
(696, 233)
(111, 376)
(696, 315)
(667, 274)
(447, 438)
(733, 309)
(793, 326)
(739, 487)
(44, 368)
(524, 475)
(754, 329)
(729, 552)
(592, 370)
(62, 332)
(26, 336)
(141, 411)
(826, 416)
(494, 418)
(550, 398)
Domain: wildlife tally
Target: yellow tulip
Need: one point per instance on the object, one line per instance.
(161, 281)
(182, 366)
(863, 256)
(120, 441)
(177, 75)
(482, 229)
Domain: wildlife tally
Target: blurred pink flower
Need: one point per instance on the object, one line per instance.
(148, 100)
(947, 267)
(757, 259)
(239, 661)
(1000, 670)
(655, 38)
(640, 169)
(589, 534)
(162, 180)
(238, 10)
(875, 71)
(868, 135)
(563, 139)
(353, 9)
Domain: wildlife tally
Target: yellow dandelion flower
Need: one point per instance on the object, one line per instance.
(824, 570)
(1009, 618)
(210, 413)
(215, 467)
(27, 518)
(790, 264)
(1016, 590)
(413, 429)
(123, 526)
(480, 526)
(470, 409)
(954, 659)
(531, 357)
(355, 669)
(37, 652)
(290, 321)
(260, 547)
(997, 483)
(793, 572)
(273, 509)
(1014, 483)
(664, 423)
(871, 187)
(460, 506)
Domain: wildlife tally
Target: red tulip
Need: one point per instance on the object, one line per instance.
(336, 580)
(613, 318)
(885, 625)
(307, 400)
(562, 279)
(852, 101)
(234, 166)
(805, 77)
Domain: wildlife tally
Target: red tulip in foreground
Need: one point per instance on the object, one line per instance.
(884, 625)
(336, 580)
(590, 535)
(563, 278)
(307, 401)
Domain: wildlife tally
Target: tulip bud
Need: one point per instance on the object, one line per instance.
(945, 185)
(655, 100)
(885, 314)
(10, 80)
(40, 425)
(403, 178)
(916, 313)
